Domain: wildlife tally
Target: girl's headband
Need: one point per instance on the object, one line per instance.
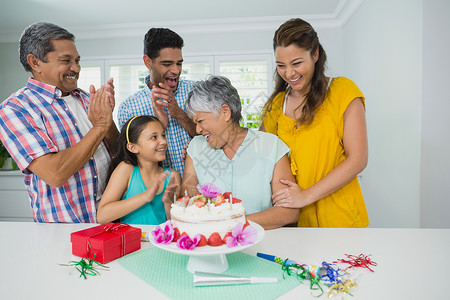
(128, 127)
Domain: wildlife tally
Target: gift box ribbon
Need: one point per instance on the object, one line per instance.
(112, 228)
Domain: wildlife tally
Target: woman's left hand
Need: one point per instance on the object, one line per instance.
(292, 196)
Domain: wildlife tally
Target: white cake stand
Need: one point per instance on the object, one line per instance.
(207, 258)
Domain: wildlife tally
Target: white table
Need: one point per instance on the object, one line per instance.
(412, 263)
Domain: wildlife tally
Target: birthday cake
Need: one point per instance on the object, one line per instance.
(209, 218)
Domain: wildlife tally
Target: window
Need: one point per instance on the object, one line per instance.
(249, 74)
(92, 72)
(196, 68)
(90, 75)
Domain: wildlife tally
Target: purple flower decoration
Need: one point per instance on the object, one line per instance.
(186, 243)
(209, 190)
(164, 235)
(241, 236)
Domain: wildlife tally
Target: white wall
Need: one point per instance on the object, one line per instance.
(382, 54)
(435, 153)
(12, 74)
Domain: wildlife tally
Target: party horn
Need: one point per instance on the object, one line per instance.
(281, 261)
(209, 279)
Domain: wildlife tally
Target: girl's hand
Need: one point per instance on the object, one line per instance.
(153, 190)
(173, 189)
(292, 196)
(168, 197)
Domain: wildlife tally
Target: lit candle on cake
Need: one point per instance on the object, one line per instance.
(186, 202)
(231, 201)
(183, 200)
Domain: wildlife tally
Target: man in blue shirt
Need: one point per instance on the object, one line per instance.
(164, 95)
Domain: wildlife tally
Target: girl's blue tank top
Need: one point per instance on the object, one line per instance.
(151, 213)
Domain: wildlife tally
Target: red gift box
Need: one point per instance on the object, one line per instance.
(107, 242)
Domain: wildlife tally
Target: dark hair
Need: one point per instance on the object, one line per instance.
(160, 38)
(37, 39)
(209, 95)
(303, 35)
(134, 131)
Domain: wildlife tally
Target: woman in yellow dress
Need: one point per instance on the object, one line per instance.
(322, 120)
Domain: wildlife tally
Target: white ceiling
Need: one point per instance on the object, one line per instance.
(92, 18)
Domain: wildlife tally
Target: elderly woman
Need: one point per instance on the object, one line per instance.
(250, 164)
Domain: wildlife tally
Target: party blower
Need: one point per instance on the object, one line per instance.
(209, 279)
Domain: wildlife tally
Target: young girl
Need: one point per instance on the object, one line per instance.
(140, 190)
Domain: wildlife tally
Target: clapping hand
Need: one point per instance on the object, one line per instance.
(99, 110)
(110, 93)
(159, 181)
(158, 110)
(166, 98)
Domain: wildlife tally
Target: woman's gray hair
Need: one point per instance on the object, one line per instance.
(36, 40)
(210, 94)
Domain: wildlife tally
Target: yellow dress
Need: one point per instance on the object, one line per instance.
(316, 150)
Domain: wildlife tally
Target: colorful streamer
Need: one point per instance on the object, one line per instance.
(86, 267)
(361, 261)
(342, 287)
(329, 274)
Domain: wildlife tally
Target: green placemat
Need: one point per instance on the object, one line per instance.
(166, 272)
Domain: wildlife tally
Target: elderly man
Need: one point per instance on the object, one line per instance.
(59, 135)
(164, 95)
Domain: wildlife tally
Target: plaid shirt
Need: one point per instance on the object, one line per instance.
(140, 103)
(35, 121)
